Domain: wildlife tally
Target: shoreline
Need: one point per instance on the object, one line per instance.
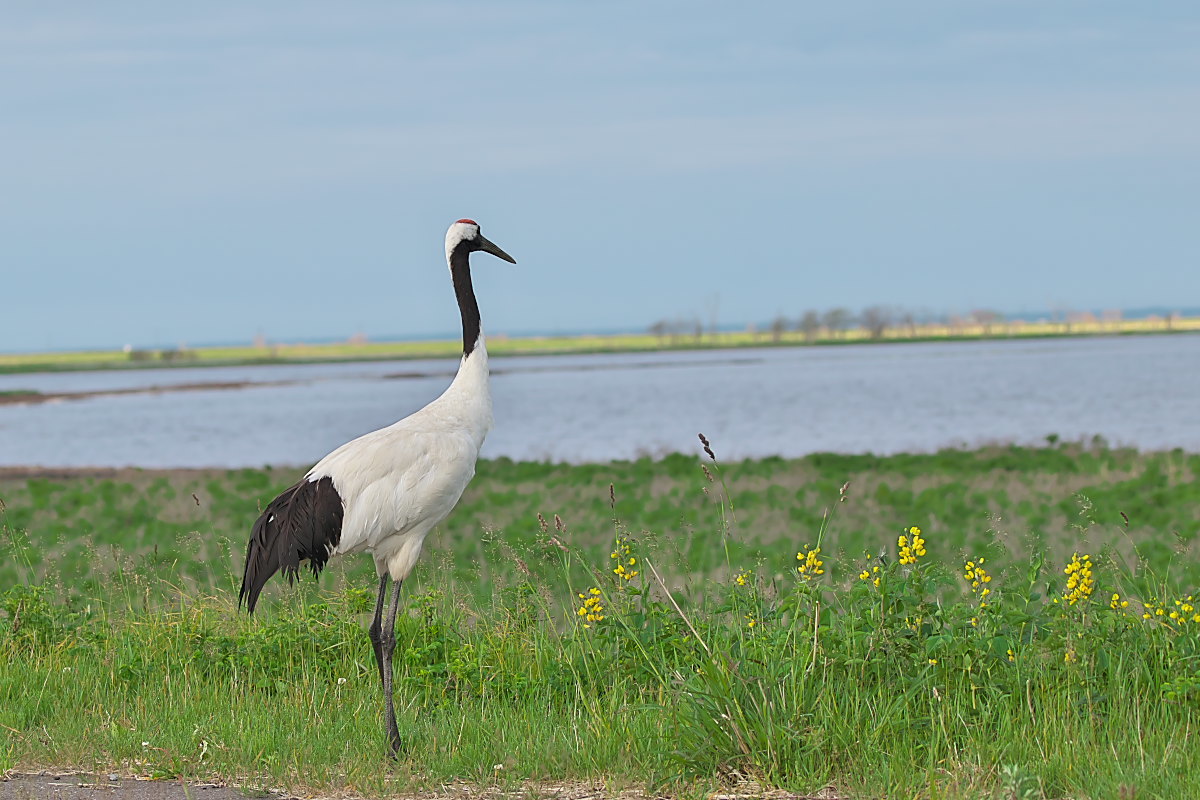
(502, 347)
(980, 451)
(32, 397)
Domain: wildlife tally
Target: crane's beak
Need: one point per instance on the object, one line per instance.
(488, 247)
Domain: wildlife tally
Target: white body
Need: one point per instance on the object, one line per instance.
(398, 482)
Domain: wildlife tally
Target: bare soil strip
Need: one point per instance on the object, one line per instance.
(26, 398)
(82, 786)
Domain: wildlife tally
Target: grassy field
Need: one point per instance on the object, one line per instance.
(662, 623)
(547, 345)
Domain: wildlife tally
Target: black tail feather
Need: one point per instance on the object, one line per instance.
(305, 522)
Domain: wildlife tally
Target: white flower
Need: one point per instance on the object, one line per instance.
(341, 681)
(145, 744)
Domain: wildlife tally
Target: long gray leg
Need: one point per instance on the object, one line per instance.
(376, 629)
(389, 645)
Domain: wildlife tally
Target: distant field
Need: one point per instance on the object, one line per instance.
(1035, 632)
(502, 346)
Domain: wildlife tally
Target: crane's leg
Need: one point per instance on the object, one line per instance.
(376, 629)
(389, 645)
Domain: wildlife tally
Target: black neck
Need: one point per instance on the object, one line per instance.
(460, 271)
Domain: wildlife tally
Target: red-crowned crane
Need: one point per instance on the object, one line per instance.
(385, 491)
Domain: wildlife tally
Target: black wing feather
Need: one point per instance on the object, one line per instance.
(305, 522)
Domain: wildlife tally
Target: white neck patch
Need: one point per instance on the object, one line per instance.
(459, 232)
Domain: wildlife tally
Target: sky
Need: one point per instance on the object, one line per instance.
(194, 173)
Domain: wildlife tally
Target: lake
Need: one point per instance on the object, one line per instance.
(1140, 391)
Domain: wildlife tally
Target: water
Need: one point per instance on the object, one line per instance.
(1139, 391)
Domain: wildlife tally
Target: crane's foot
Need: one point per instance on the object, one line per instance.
(394, 745)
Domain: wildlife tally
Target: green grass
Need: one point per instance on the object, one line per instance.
(121, 647)
(191, 526)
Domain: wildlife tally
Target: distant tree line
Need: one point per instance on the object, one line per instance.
(874, 322)
(677, 330)
(170, 355)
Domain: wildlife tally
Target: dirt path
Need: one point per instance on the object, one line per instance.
(47, 786)
(80, 786)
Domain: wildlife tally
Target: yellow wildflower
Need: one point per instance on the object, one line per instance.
(1080, 582)
(975, 572)
(742, 578)
(870, 575)
(1116, 603)
(627, 574)
(624, 557)
(1184, 611)
(810, 563)
(910, 549)
(1148, 607)
(592, 608)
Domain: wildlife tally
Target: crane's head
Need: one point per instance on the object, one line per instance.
(465, 235)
